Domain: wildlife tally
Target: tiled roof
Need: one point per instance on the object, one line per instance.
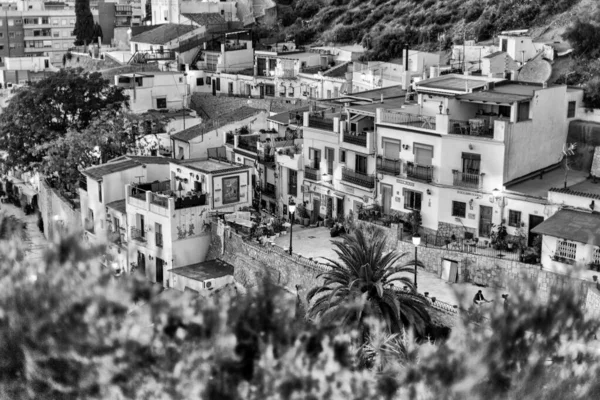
(579, 226)
(163, 34)
(339, 71)
(205, 19)
(118, 205)
(205, 270)
(98, 172)
(232, 116)
(575, 193)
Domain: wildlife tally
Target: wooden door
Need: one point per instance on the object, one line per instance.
(159, 270)
(316, 210)
(485, 221)
(386, 199)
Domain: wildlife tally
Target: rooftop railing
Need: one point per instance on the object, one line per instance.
(468, 180)
(359, 140)
(408, 119)
(419, 172)
(325, 124)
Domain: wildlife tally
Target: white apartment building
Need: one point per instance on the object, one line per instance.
(164, 90)
(170, 224)
(172, 11)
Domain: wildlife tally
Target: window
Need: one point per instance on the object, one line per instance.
(596, 255)
(523, 114)
(199, 81)
(566, 249)
(1, 47)
(158, 234)
(55, 22)
(514, 218)
(12, 45)
(292, 182)
(342, 156)
(1, 34)
(208, 80)
(65, 33)
(412, 199)
(72, 22)
(161, 103)
(391, 149)
(18, 22)
(571, 109)
(459, 209)
(361, 164)
(63, 22)
(471, 163)
(423, 154)
(11, 22)
(45, 20)
(504, 111)
(55, 34)
(218, 81)
(11, 34)
(180, 153)
(269, 90)
(315, 155)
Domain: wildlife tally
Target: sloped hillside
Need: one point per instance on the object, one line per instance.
(384, 27)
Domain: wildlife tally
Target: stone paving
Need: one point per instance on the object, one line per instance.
(315, 243)
(35, 241)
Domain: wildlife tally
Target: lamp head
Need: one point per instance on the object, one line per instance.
(416, 240)
(496, 193)
(292, 205)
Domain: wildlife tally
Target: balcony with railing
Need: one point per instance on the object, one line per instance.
(313, 174)
(427, 122)
(388, 165)
(354, 138)
(158, 238)
(419, 172)
(467, 180)
(89, 225)
(268, 190)
(115, 237)
(358, 178)
(161, 201)
(138, 235)
(325, 124)
(247, 145)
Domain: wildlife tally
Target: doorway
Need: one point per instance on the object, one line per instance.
(141, 262)
(329, 212)
(262, 92)
(485, 221)
(316, 209)
(159, 270)
(449, 271)
(534, 220)
(340, 207)
(386, 199)
(214, 87)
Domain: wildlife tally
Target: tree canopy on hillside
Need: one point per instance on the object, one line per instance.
(44, 111)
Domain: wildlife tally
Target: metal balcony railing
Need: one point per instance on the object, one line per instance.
(320, 123)
(420, 172)
(158, 237)
(138, 235)
(268, 190)
(248, 146)
(358, 178)
(388, 165)
(313, 174)
(359, 140)
(464, 179)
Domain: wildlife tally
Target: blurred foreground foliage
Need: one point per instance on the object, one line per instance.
(69, 329)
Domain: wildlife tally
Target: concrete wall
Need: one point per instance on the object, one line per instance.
(58, 214)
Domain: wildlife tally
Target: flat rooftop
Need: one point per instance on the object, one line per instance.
(212, 166)
(390, 104)
(455, 83)
(205, 270)
(375, 94)
(552, 179)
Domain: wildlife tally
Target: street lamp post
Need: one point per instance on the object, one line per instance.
(416, 241)
(292, 210)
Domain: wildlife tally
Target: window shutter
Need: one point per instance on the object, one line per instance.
(326, 152)
(311, 153)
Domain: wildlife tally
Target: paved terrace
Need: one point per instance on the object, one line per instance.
(316, 243)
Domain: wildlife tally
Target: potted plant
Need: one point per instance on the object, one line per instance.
(415, 221)
(337, 229)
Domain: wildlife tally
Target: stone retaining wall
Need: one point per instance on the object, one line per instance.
(58, 214)
(494, 272)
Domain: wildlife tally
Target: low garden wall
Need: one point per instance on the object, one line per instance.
(57, 212)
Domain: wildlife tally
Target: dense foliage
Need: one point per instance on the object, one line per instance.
(47, 109)
(85, 32)
(375, 23)
(69, 329)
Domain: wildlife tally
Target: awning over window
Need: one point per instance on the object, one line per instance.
(578, 226)
(471, 156)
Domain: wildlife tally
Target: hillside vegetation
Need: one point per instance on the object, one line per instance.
(384, 27)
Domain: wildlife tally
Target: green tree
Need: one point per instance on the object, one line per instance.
(46, 110)
(84, 23)
(360, 286)
(585, 38)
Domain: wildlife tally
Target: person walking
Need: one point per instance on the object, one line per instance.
(478, 299)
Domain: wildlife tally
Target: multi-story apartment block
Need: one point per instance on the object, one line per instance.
(173, 11)
(154, 211)
(11, 33)
(464, 137)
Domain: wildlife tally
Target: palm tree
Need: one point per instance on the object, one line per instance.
(359, 286)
